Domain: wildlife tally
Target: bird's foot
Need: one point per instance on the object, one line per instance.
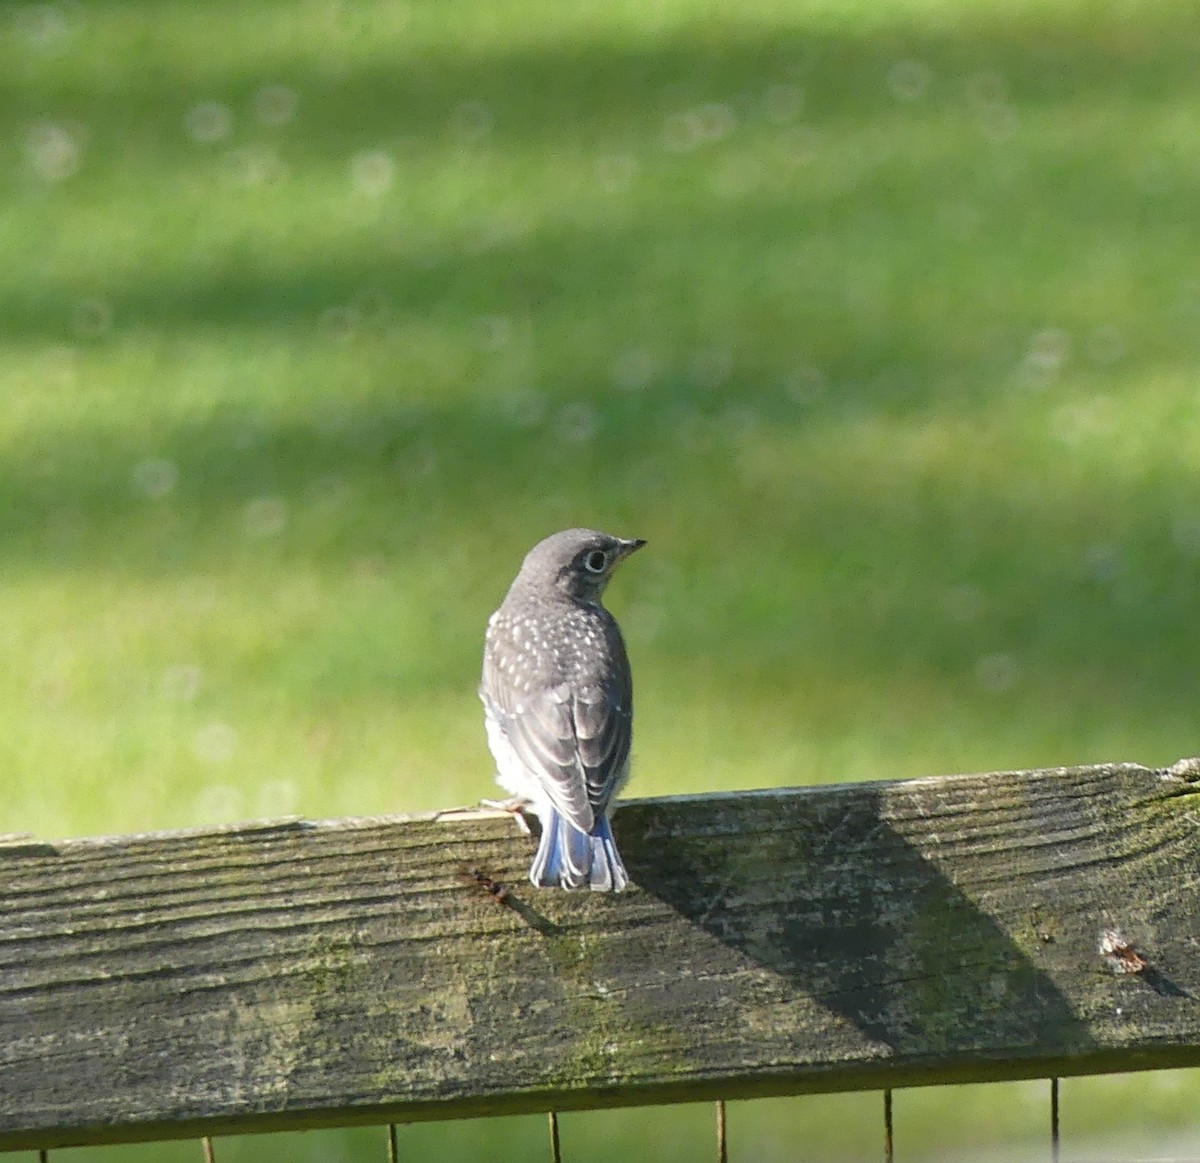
(515, 805)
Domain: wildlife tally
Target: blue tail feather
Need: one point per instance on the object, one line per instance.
(569, 858)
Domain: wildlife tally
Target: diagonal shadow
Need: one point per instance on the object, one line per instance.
(822, 891)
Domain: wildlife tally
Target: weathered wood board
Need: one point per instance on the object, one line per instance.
(294, 974)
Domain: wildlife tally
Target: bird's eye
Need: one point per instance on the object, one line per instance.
(595, 561)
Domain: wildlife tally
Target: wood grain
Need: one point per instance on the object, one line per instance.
(294, 974)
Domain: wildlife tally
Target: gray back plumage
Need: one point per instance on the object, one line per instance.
(556, 678)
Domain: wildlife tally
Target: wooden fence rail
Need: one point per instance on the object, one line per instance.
(294, 974)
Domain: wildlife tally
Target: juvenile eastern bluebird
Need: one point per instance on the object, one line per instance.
(558, 704)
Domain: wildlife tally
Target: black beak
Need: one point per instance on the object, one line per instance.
(632, 545)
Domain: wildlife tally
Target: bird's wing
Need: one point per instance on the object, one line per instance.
(574, 742)
(603, 719)
(540, 727)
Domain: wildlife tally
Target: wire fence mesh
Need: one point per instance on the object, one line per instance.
(890, 1147)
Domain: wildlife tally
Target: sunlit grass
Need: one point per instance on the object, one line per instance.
(881, 322)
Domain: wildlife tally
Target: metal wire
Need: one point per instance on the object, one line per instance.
(1054, 1146)
(721, 1135)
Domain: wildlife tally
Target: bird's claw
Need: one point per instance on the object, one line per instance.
(515, 806)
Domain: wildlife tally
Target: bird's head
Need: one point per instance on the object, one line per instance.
(577, 562)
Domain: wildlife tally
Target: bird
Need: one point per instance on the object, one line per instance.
(557, 694)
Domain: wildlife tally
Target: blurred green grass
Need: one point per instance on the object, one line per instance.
(881, 324)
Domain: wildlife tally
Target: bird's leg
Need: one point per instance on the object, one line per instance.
(517, 805)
